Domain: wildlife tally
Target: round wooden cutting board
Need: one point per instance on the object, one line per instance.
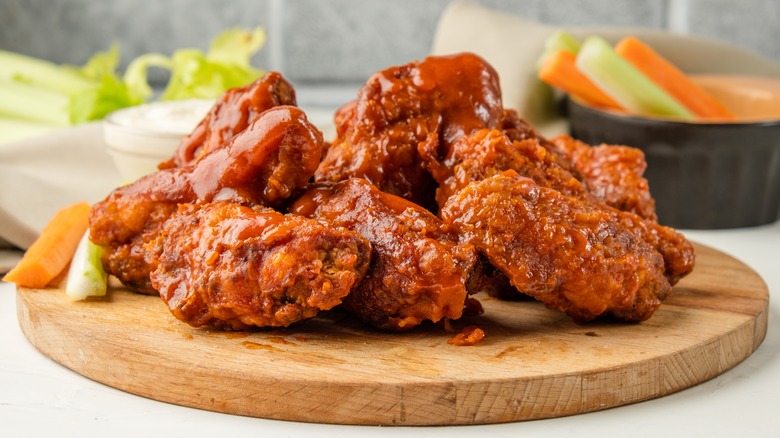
(534, 363)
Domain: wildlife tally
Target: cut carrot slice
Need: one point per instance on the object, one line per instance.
(48, 256)
(671, 79)
(560, 70)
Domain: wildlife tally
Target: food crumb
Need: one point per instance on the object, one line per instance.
(470, 335)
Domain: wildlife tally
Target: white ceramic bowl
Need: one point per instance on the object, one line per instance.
(141, 137)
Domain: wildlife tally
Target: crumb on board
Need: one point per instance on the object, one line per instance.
(470, 335)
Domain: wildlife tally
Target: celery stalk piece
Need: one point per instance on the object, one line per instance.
(558, 40)
(86, 276)
(624, 83)
(561, 40)
(21, 68)
(39, 90)
(28, 102)
(60, 95)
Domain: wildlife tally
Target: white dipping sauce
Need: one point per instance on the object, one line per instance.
(174, 117)
(139, 138)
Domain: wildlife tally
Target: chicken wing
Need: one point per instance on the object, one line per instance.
(432, 102)
(571, 255)
(233, 112)
(419, 270)
(229, 266)
(262, 165)
(487, 152)
(611, 173)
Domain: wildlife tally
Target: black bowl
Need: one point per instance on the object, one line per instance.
(702, 175)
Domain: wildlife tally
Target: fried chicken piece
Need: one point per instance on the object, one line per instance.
(517, 129)
(678, 253)
(571, 255)
(419, 269)
(233, 112)
(262, 165)
(229, 266)
(488, 152)
(431, 102)
(611, 173)
(132, 215)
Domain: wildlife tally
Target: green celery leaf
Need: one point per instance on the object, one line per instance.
(197, 75)
(101, 64)
(111, 94)
(136, 73)
(236, 46)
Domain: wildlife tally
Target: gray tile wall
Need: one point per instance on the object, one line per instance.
(342, 41)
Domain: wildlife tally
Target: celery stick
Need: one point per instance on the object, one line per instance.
(15, 129)
(624, 83)
(86, 276)
(558, 40)
(41, 91)
(23, 101)
(33, 71)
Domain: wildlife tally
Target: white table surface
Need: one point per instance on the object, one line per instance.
(39, 397)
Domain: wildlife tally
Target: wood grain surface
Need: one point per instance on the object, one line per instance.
(534, 363)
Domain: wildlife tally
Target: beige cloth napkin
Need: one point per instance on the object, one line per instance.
(512, 45)
(38, 176)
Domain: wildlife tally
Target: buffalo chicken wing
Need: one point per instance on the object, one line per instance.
(431, 102)
(233, 112)
(566, 253)
(230, 266)
(419, 269)
(262, 165)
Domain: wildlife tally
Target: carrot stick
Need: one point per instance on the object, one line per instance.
(671, 79)
(559, 70)
(48, 256)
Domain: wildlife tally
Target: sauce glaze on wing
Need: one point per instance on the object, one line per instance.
(262, 165)
(569, 254)
(419, 269)
(225, 265)
(233, 112)
(433, 102)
